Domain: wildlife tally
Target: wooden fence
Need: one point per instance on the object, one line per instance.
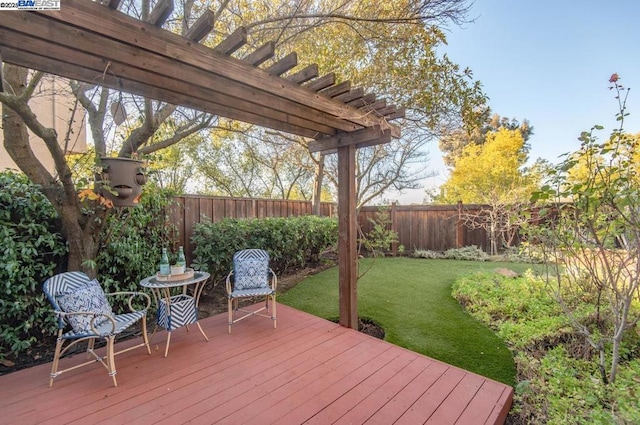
(424, 227)
(192, 209)
(428, 227)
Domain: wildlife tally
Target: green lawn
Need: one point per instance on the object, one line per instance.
(411, 299)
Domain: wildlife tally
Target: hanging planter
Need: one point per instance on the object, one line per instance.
(121, 181)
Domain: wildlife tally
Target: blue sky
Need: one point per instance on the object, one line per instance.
(549, 62)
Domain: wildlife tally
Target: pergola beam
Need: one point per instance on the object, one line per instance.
(261, 54)
(304, 75)
(351, 95)
(236, 40)
(161, 12)
(283, 65)
(201, 27)
(183, 78)
(336, 89)
(262, 116)
(322, 82)
(90, 28)
(366, 137)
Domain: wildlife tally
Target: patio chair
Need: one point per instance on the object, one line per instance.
(251, 277)
(80, 304)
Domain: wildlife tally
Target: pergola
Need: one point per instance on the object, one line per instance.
(95, 43)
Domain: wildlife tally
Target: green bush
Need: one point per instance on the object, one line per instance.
(132, 241)
(291, 242)
(469, 253)
(427, 253)
(32, 250)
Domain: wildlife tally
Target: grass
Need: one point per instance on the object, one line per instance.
(411, 299)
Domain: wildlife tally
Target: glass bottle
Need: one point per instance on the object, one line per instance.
(165, 267)
(181, 261)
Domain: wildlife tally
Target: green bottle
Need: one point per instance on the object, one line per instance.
(165, 267)
(181, 260)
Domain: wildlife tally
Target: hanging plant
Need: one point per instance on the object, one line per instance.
(120, 181)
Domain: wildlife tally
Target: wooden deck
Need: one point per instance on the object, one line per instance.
(309, 370)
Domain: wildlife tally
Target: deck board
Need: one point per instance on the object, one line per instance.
(308, 370)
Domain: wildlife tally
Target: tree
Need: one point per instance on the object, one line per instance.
(257, 163)
(454, 141)
(591, 240)
(493, 174)
(391, 50)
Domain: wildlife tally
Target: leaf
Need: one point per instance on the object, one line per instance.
(118, 112)
(88, 194)
(7, 363)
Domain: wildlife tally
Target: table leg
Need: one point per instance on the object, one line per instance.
(166, 350)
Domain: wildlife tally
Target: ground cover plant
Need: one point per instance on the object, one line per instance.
(411, 299)
(558, 373)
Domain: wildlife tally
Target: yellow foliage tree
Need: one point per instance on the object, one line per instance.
(492, 172)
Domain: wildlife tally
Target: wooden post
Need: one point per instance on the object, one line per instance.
(460, 228)
(347, 230)
(394, 227)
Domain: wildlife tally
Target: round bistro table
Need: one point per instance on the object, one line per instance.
(180, 309)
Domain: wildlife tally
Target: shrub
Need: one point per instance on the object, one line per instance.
(525, 253)
(131, 244)
(520, 310)
(425, 253)
(469, 253)
(291, 242)
(32, 249)
(378, 240)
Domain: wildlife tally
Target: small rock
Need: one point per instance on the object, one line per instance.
(507, 273)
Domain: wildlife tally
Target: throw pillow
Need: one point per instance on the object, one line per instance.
(251, 274)
(88, 298)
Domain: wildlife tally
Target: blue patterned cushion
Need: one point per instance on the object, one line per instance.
(251, 273)
(88, 298)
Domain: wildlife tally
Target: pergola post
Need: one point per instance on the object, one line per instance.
(347, 239)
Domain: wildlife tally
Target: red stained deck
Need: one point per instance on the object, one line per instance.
(309, 370)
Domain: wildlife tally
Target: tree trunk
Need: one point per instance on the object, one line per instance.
(317, 187)
(81, 231)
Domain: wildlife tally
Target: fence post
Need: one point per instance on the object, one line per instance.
(460, 230)
(394, 228)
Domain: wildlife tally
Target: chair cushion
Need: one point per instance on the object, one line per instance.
(251, 292)
(86, 298)
(251, 273)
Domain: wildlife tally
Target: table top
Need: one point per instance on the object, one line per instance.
(152, 282)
